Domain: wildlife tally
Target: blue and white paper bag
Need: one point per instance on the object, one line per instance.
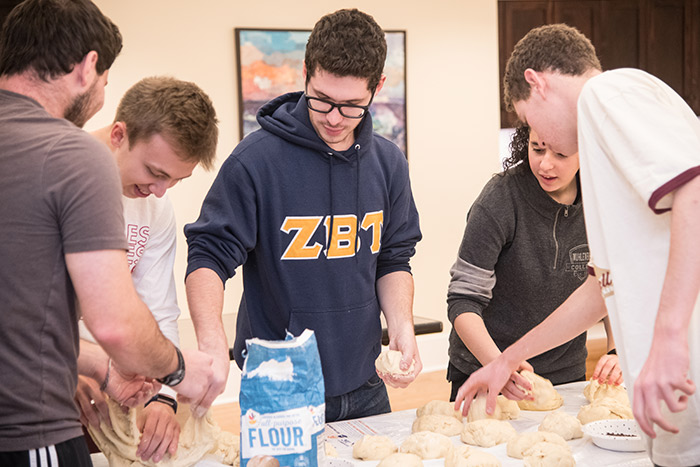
(283, 401)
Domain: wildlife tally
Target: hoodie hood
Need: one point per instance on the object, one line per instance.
(287, 116)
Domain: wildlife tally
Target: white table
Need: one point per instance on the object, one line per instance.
(397, 426)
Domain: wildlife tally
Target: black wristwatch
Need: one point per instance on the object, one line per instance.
(162, 398)
(176, 376)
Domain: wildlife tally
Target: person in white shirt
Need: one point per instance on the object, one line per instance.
(639, 150)
(163, 128)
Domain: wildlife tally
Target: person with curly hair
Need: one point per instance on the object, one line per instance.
(524, 251)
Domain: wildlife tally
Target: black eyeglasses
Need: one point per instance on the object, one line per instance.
(346, 110)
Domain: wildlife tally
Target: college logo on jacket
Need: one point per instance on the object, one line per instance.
(345, 240)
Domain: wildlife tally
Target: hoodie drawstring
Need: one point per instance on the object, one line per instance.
(330, 189)
(357, 201)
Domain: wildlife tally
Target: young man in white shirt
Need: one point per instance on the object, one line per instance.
(639, 149)
(163, 128)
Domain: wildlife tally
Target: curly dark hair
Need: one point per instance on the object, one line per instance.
(347, 43)
(49, 37)
(519, 146)
(554, 47)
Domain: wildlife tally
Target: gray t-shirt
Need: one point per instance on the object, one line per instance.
(59, 193)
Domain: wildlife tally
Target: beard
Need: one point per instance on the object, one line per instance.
(82, 108)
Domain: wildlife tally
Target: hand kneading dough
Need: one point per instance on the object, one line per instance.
(443, 424)
(401, 459)
(594, 390)
(546, 397)
(487, 432)
(427, 445)
(517, 446)
(604, 409)
(389, 361)
(464, 456)
(548, 455)
(505, 409)
(439, 408)
(565, 425)
(198, 437)
(373, 448)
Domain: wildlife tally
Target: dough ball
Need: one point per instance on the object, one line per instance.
(565, 425)
(373, 448)
(546, 454)
(331, 451)
(439, 408)
(464, 456)
(594, 390)
(389, 361)
(509, 409)
(505, 409)
(443, 424)
(427, 445)
(263, 461)
(546, 397)
(401, 459)
(517, 446)
(604, 409)
(487, 432)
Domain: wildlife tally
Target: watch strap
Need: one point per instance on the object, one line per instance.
(176, 376)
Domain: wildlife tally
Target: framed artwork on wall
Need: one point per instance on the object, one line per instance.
(269, 63)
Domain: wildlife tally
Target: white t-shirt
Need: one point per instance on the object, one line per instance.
(638, 142)
(151, 235)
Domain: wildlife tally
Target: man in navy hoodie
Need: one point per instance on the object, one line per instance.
(319, 211)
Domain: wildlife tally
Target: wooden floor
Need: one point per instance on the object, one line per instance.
(427, 387)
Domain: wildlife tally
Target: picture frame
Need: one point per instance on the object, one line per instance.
(269, 63)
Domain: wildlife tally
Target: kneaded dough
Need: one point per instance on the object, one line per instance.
(546, 397)
(546, 454)
(427, 445)
(443, 424)
(437, 407)
(505, 409)
(565, 425)
(389, 361)
(487, 432)
(604, 409)
(401, 459)
(198, 437)
(464, 456)
(331, 451)
(373, 448)
(517, 446)
(594, 391)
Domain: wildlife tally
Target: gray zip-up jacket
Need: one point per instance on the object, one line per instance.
(521, 256)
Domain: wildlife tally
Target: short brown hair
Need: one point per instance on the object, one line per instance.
(554, 47)
(347, 43)
(177, 110)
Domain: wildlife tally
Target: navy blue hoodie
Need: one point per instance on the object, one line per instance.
(270, 209)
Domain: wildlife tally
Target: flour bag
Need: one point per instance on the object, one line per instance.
(282, 399)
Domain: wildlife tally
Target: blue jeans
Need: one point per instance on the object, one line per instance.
(369, 399)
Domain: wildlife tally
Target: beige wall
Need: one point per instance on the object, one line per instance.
(452, 100)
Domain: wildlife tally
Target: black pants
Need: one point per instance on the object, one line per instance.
(71, 453)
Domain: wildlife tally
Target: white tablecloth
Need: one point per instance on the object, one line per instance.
(397, 426)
